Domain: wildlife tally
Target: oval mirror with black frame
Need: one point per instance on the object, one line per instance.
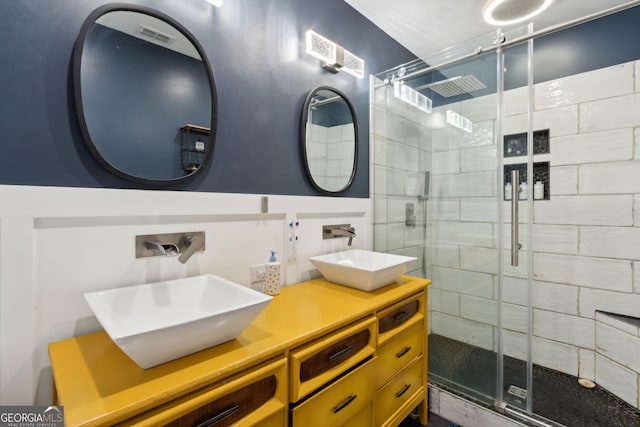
(329, 135)
(145, 94)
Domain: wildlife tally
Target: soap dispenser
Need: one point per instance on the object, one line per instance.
(272, 276)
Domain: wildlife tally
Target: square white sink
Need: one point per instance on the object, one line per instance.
(158, 322)
(361, 269)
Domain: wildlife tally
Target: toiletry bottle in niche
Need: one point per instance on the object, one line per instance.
(508, 191)
(272, 276)
(523, 191)
(538, 190)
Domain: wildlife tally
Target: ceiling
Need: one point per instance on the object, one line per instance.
(426, 27)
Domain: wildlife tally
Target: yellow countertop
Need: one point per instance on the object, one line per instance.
(98, 384)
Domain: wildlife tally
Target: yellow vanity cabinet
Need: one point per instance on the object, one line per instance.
(319, 354)
(402, 368)
(333, 378)
(255, 397)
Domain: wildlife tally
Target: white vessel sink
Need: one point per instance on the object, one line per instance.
(361, 269)
(159, 322)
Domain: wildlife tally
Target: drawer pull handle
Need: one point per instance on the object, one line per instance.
(341, 353)
(221, 416)
(401, 315)
(344, 404)
(403, 390)
(403, 352)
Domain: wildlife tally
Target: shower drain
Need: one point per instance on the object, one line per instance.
(517, 391)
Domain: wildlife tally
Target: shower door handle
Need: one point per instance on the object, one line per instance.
(515, 195)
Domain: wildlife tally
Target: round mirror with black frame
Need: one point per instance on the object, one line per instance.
(329, 135)
(145, 95)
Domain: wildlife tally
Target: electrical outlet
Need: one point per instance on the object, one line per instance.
(257, 273)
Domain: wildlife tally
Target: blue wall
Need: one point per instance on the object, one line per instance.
(263, 77)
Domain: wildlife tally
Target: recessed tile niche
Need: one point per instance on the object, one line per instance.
(515, 152)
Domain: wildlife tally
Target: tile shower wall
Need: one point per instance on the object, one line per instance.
(585, 238)
(401, 153)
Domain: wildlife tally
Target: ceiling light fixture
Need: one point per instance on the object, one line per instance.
(216, 3)
(509, 12)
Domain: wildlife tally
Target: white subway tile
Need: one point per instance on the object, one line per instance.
(515, 317)
(619, 346)
(479, 309)
(402, 156)
(568, 329)
(443, 255)
(416, 135)
(515, 290)
(599, 273)
(380, 237)
(446, 162)
(587, 367)
(617, 379)
(610, 242)
(598, 84)
(483, 108)
(478, 184)
(395, 236)
(611, 113)
(483, 209)
(442, 139)
(465, 282)
(613, 302)
(592, 147)
(444, 301)
(636, 277)
(443, 209)
(482, 134)
(464, 233)
(585, 210)
(610, 178)
(379, 180)
(395, 127)
(555, 297)
(466, 413)
(559, 239)
(636, 135)
(463, 330)
(483, 260)
(514, 344)
(560, 121)
(479, 159)
(564, 181)
(555, 355)
(515, 101)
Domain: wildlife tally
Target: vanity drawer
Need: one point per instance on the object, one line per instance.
(342, 403)
(398, 392)
(400, 316)
(257, 397)
(399, 351)
(318, 363)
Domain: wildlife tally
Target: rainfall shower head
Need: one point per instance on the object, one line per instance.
(455, 86)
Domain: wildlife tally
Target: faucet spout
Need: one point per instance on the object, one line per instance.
(349, 232)
(190, 245)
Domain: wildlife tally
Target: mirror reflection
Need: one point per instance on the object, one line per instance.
(145, 95)
(329, 140)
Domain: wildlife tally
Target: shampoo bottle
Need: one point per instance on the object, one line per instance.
(272, 276)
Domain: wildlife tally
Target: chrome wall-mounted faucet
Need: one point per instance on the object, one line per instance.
(339, 230)
(190, 245)
(173, 244)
